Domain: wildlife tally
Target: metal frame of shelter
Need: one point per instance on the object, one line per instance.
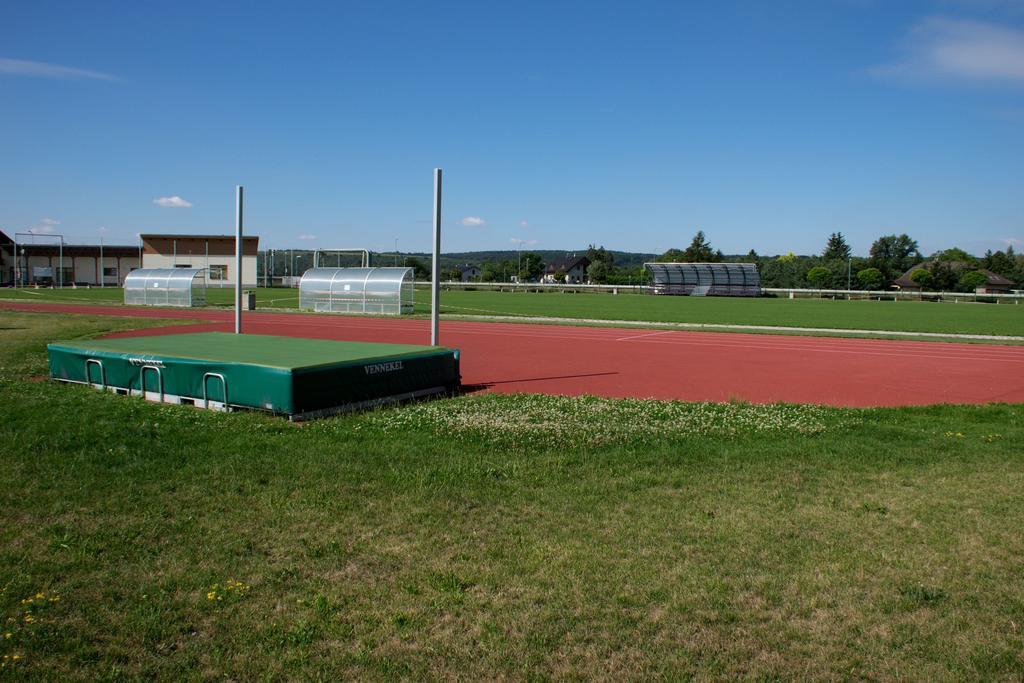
(384, 291)
(183, 287)
(705, 279)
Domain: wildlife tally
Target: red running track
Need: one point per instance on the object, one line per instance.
(690, 366)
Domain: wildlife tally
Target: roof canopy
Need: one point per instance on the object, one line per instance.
(165, 287)
(714, 279)
(357, 290)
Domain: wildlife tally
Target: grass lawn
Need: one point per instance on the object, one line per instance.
(906, 316)
(501, 537)
(909, 316)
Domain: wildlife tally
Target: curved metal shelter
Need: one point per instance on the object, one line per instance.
(165, 287)
(385, 291)
(705, 279)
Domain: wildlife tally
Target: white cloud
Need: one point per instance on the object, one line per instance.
(522, 243)
(939, 48)
(44, 226)
(524, 225)
(307, 237)
(473, 221)
(173, 202)
(103, 230)
(22, 67)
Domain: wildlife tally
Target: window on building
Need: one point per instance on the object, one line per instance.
(219, 272)
(182, 265)
(110, 272)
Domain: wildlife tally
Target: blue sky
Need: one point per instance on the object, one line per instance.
(766, 124)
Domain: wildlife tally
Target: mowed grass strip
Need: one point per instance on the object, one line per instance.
(903, 316)
(502, 537)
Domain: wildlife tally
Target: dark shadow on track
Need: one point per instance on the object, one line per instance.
(483, 386)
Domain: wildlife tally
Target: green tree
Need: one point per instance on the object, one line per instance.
(672, 256)
(700, 250)
(870, 278)
(971, 280)
(836, 249)
(531, 266)
(955, 255)
(819, 277)
(785, 271)
(893, 255)
(1000, 262)
(922, 278)
(598, 272)
(420, 269)
(944, 277)
(595, 254)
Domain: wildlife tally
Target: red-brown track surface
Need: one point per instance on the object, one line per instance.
(690, 366)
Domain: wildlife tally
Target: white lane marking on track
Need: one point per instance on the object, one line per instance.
(949, 355)
(642, 336)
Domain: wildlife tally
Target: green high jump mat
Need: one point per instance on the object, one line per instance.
(301, 378)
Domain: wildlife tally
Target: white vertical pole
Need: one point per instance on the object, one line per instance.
(435, 270)
(238, 259)
(102, 279)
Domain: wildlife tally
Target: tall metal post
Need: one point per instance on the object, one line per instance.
(102, 283)
(238, 259)
(435, 270)
(60, 263)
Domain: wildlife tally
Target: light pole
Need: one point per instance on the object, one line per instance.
(396, 251)
(849, 267)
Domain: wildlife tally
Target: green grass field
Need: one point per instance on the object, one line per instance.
(490, 536)
(905, 316)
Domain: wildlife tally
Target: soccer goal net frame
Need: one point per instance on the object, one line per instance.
(340, 258)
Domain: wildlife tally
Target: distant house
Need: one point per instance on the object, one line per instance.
(997, 284)
(469, 273)
(574, 267)
(905, 284)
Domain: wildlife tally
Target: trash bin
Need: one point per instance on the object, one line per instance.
(249, 300)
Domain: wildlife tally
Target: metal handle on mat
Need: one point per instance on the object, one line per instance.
(159, 379)
(103, 374)
(223, 383)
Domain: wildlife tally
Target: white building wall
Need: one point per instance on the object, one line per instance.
(249, 278)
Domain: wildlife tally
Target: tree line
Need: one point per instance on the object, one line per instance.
(890, 257)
